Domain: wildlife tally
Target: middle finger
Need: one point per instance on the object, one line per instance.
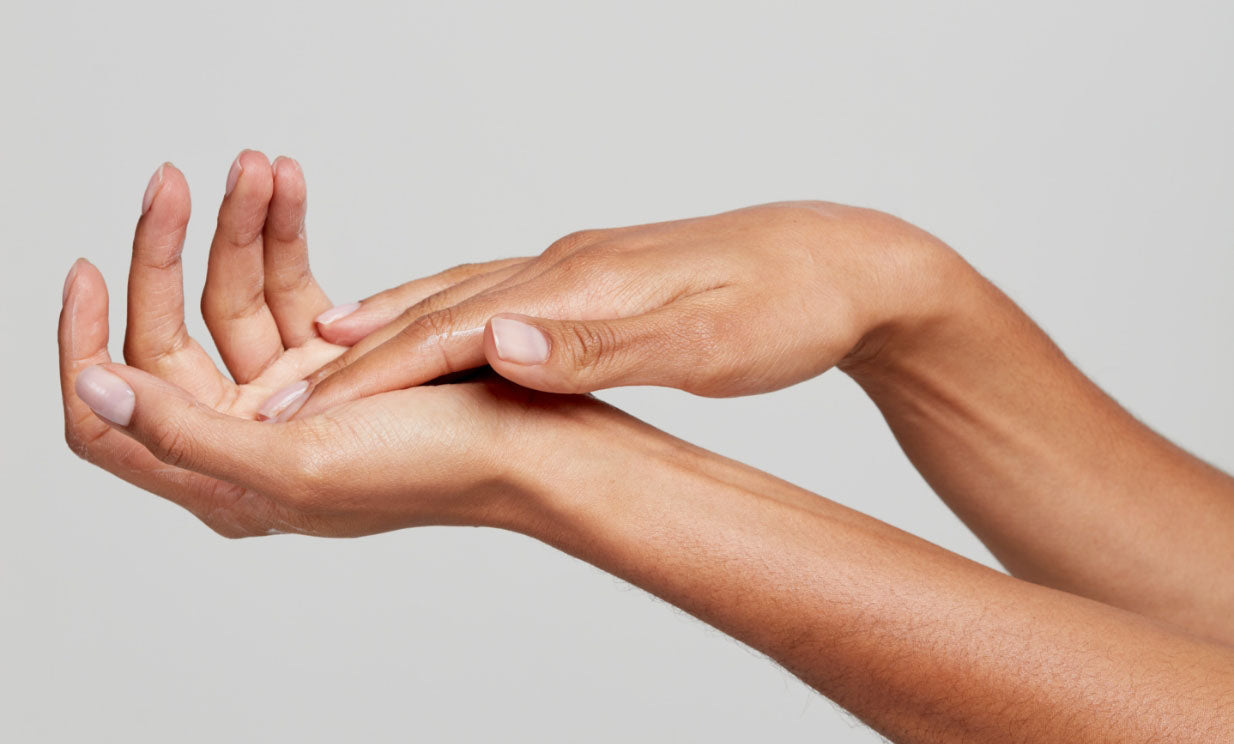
(234, 302)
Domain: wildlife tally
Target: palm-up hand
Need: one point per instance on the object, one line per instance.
(171, 423)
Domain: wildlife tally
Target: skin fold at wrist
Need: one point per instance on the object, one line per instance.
(921, 293)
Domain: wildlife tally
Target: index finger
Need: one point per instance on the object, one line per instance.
(156, 338)
(437, 344)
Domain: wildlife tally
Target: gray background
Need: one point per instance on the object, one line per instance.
(1078, 153)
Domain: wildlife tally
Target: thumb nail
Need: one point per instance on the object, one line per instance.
(519, 342)
(107, 394)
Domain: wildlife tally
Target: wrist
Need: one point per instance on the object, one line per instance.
(921, 294)
(568, 461)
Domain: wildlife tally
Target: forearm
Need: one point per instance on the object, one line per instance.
(1064, 486)
(923, 645)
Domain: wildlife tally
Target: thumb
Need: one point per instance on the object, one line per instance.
(579, 356)
(180, 431)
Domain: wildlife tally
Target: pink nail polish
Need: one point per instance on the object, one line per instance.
(68, 280)
(152, 189)
(233, 175)
(107, 394)
(336, 313)
(282, 398)
(292, 408)
(519, 342)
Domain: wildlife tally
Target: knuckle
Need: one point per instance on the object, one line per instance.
(288, 279)
(439, 300)
(430, 332)
(150, 351)
(219, 307)
(580, 268)
(461, 271)
(590, 345)
(171, 444)
(240, 230)
(571, 243)
(162, 252)
(435, 324)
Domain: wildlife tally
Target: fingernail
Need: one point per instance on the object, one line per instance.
(68, 281)
(282, 398)
(336, 313)
(152, 189)
(233, 175)
(519, 342)
(292, 408)
(274, 167)
(107, 394)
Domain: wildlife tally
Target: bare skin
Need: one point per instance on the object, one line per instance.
(1062, 485)
(923, 645)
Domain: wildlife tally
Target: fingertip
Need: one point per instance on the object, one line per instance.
(83, 331)
(340, 335)
(252, 160)
(250, 172)
(153, 186)
(288, 200)
(285, 167)
(282, 401)
(166, 199)
(319, 394)
(68, 280)
(293, 408)
(497, 342)
(512, 339)
(85, 294)
(169, 422)
(242, 219)
(303, 406)
(288, 181)
(340, 324)
(84, 264)
(106, 393)
(171, 171)
(154, 390)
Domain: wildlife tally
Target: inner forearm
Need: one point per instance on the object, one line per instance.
(923, 645)
(1062, 484)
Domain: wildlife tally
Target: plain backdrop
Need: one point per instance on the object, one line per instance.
(1077, 153)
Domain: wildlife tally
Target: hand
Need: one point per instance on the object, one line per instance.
(733, 304)
(837, 597)
(174, 425)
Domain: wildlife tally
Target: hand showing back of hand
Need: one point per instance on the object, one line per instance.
(732, 304)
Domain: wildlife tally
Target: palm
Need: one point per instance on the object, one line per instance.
(244, 400)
